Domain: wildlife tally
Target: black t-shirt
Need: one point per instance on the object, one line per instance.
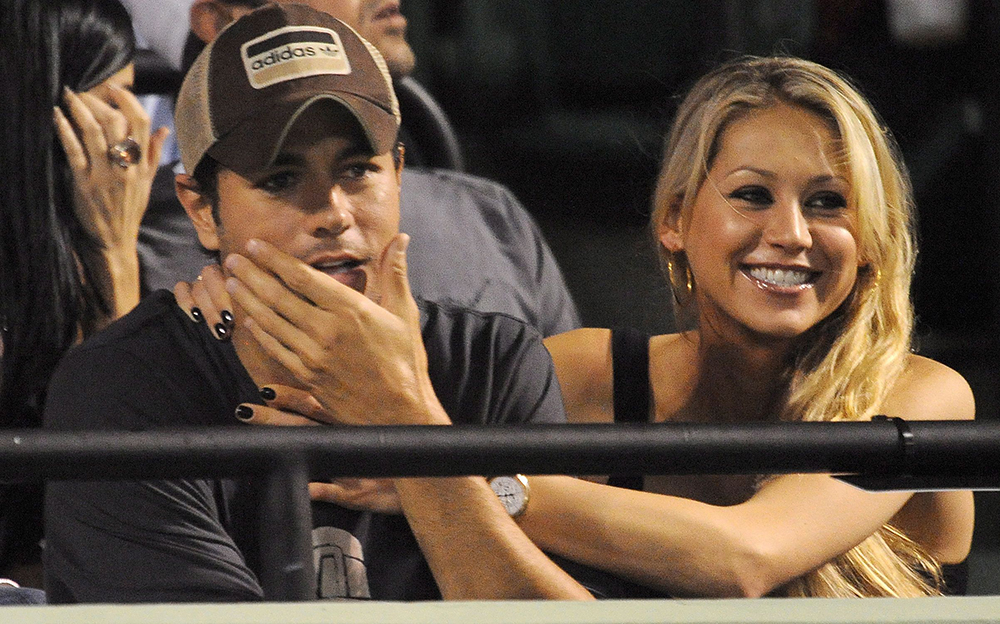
(191, 539)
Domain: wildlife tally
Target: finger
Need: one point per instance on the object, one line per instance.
(211, 297)
(278, 350)
(114, 126)
(395, 295)
(291, 399)
(268, 289)
(329, 493)
(87, 127)
(302, 279)
(90, 130)
(130, 110)
(182, 293)
(75, 154)
(263, 415)
(263, 319)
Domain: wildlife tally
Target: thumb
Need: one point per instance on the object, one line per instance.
(395, 295)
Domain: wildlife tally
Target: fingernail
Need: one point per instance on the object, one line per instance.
(253, 245)
(244, 412)
(227, 317)
(221, 331)
(197, 315)
(268, 394)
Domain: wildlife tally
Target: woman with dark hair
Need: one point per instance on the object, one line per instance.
(78, 160)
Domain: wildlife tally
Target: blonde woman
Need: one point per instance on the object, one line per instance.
(784, 220)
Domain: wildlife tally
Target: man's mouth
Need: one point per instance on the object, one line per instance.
(348, 272)
(786, 279)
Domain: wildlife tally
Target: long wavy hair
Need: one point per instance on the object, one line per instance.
(845, 365)
(47, 299)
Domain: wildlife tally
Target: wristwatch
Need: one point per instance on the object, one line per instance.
(513, 492)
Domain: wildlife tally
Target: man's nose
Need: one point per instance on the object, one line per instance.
(334, 218)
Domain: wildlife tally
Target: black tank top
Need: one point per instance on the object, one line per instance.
(632, 396)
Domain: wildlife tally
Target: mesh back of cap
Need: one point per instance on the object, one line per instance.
(193, 121)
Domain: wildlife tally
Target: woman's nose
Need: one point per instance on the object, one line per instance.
(787, 227)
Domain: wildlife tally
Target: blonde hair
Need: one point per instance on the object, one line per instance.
(847, 363)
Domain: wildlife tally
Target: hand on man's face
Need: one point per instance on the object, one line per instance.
(362, 361)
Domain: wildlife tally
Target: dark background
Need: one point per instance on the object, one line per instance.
(567, 102)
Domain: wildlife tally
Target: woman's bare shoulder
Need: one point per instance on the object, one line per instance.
(930, 390)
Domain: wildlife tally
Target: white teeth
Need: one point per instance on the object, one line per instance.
(336, 267)
(780, 277)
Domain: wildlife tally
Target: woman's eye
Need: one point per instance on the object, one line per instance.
(757, 195)
(278, 182)
(827, 200)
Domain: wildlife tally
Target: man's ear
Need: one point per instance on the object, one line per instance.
(670, 229)
(209, 17)
(199, 209)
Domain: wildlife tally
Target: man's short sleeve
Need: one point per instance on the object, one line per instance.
(133, 541)
(490, 368)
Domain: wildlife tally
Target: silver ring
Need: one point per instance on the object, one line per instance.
(125, 153)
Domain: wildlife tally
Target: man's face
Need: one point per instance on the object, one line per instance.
(326, 200)
(378, 21)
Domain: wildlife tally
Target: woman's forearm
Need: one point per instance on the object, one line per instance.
(685, 547)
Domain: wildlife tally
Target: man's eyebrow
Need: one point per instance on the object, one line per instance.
(288, 158)
(354, 150)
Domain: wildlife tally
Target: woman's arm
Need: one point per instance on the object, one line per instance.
(791, 525)
(582, 360)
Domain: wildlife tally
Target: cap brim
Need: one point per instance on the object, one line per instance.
(254, 144)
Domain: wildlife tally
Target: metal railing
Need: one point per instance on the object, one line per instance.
(883, 453)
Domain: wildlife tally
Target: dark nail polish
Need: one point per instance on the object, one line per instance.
(221, 331)
(227, 317)
(268, 394)
(197, 315)
(244, 412)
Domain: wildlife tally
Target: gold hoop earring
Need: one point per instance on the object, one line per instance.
(682, 292)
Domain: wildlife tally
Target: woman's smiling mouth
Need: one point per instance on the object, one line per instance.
(787, 279)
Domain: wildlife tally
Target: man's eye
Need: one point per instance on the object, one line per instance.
(278, 182)
(757, 195)
(357, 171)
(827, 200)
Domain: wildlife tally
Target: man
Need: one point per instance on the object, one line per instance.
(473, 244)
(288, 125)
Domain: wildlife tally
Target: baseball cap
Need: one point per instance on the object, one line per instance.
(248, 86)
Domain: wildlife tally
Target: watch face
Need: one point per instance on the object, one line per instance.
(511, 493)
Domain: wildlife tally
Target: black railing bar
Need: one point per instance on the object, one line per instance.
(935, 447)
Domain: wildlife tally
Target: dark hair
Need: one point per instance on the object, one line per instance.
(47, 297)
